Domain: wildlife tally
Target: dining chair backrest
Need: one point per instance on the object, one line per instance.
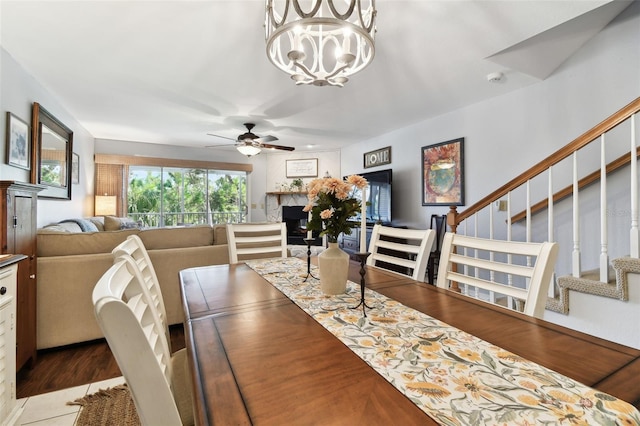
(134, 247)
(137, 340)
(505, 273)
(401, 250)
(256, 240)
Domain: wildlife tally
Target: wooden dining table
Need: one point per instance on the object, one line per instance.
(255, 357)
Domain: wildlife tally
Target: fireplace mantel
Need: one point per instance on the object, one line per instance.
(278, 194)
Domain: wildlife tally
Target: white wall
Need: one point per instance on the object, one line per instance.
(328, 162)
(19, 91)
(506, 135)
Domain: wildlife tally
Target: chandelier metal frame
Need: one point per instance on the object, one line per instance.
(323, 46)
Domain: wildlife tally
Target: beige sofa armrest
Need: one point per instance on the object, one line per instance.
(64, 307)
(169, 262)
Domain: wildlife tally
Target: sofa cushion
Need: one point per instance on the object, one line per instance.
(220, 234)
(59, 227)
(165, 238)
(65, 244)
(85, 225)
(98, 221)
(112, 223)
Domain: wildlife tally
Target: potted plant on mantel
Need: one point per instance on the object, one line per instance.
(297, 185)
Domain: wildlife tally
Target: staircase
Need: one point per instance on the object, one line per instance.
(585, 217)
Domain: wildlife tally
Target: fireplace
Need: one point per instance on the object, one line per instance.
(296, 221)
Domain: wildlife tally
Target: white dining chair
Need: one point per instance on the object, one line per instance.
(256, 240)
(505, 273)
(401, 250)
(134, 247)
(159, 382)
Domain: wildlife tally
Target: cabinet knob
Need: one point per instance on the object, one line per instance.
(3, 290)
(32, 276)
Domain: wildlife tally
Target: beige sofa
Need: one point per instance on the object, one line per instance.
(70, 262)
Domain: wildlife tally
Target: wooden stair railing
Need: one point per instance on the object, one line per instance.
(454, 218)
(582, 183)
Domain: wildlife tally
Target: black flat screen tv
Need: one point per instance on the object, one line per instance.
(378, 197)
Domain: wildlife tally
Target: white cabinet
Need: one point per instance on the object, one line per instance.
(9, 412)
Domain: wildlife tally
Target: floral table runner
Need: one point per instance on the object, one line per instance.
(454, 377)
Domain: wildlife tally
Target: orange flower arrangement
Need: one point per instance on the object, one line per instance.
(332, 204)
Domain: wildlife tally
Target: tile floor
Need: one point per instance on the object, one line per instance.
(51, 409)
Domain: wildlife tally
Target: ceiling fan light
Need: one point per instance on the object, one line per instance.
(248, 150)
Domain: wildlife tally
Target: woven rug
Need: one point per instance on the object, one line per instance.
(107, 407)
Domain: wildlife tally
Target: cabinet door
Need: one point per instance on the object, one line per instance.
(26, 308)
(9, 411)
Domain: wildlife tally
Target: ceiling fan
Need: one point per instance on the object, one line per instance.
(251, 144)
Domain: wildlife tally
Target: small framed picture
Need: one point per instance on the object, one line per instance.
(443, 174)
(307, 167)
(75, 168)
(18, 146)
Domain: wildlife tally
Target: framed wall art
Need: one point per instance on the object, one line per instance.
(75, 168)
(18, 143)
(443, 173)
(307, 167)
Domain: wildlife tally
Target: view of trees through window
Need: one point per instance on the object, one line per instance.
(164, 196)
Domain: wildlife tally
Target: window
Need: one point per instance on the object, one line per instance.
(168, 192)
(169, 196)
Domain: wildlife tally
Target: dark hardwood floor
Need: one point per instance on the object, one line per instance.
(76, 365)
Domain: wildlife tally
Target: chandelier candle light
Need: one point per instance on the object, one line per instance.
(323, 45)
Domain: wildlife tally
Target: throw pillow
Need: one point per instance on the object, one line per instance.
(126, 223)
(111, 223)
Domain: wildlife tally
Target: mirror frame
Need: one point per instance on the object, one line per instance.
(40, 117)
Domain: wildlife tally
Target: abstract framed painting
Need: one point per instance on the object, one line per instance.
(443, 173)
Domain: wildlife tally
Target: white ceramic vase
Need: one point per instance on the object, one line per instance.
(334, 270)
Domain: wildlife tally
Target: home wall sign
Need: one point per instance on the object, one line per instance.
(378, 157)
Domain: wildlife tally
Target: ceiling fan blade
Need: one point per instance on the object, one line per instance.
(284, 148)
(223, 137)
(267, 138)
(220, 146)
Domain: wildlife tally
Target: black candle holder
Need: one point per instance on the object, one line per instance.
(362, 257)
(308, 242)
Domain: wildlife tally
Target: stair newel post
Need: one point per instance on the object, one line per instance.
(452, 218)
(452, 221)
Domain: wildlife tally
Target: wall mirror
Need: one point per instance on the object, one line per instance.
(51, 156)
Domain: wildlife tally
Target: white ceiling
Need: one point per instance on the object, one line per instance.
(169, 72)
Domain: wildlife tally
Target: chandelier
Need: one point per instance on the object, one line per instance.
(324, 45)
